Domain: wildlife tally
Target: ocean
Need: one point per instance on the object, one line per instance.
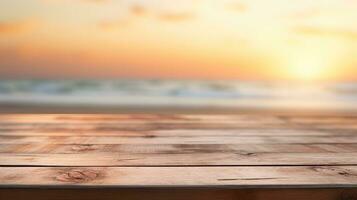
(180, 93)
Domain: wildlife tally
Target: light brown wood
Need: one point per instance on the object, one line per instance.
(173, 133)
(236, 177)
(174, 151)
(207, 159)
(151, 139)
(194, 149)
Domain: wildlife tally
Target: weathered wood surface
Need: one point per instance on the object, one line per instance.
(236, 151)
(235, 177)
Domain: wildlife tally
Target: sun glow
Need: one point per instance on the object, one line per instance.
(308, 70)
(313, 60)
(308, 65)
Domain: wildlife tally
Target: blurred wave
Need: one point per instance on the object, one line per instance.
(178, 93)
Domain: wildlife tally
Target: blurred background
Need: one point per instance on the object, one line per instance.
(199, 56)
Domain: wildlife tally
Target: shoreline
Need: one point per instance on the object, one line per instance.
(13, 108)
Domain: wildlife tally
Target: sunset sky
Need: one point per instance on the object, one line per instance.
(183, 39)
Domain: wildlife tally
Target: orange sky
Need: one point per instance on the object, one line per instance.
(195, 39)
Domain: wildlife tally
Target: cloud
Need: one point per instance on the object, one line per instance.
(175, 17)
(238, 7)
(141, 11)
(138, 10)
(113, 24)
(330, 32)
(15, 27)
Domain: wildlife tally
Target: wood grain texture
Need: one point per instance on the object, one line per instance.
(150, 139)
(236, 151)
(207, 159)
(238, 177)
(193, 149)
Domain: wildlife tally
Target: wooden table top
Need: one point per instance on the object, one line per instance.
(235, 151)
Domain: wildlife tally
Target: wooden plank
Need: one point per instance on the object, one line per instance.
(179, 193)
(150, 139)
(336, 176)
(38, 148)
(322, 120)
(199, 159)
(150, 122)
(136, 122)
(140, 118)
(75, 131)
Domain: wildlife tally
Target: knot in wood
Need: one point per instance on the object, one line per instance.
(78, 175)
(245, 153)
(333, 171)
